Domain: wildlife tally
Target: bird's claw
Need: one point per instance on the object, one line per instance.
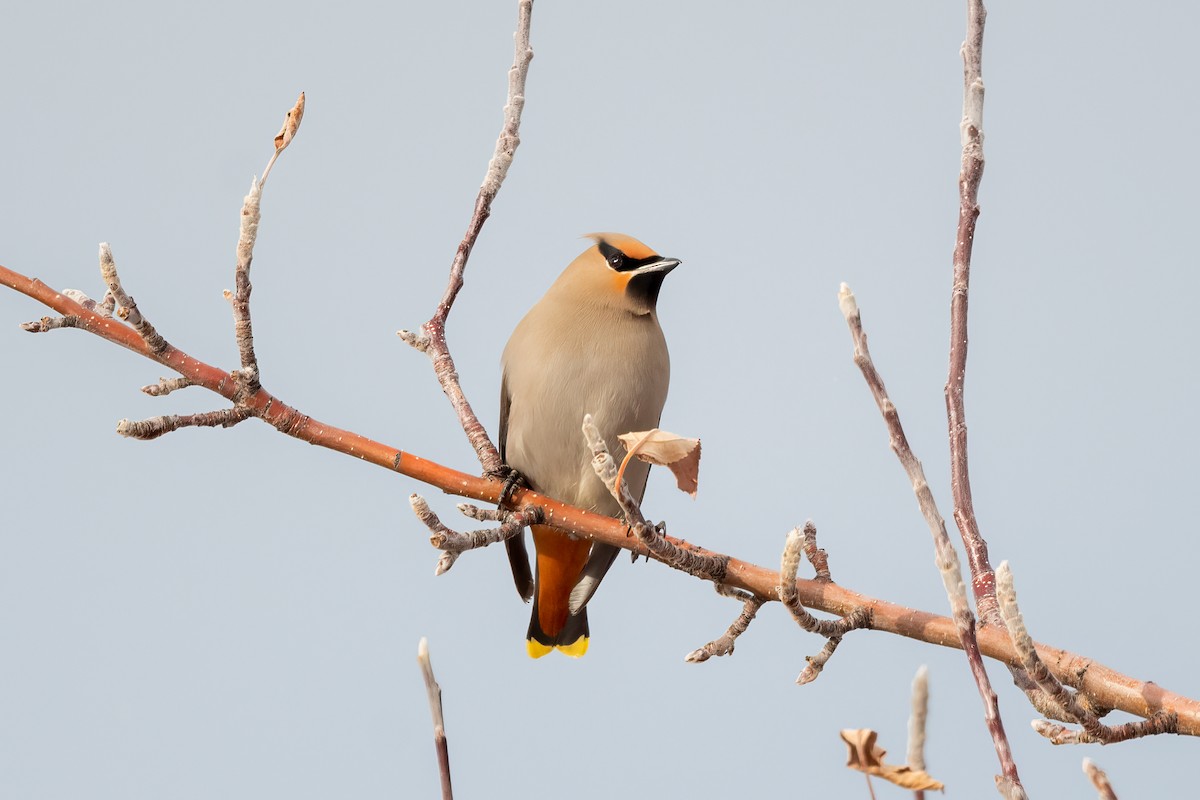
(512, 479)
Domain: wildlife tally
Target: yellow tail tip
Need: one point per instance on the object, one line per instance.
(575, 650)
(537, 649)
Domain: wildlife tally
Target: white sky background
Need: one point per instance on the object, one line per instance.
(234, 614)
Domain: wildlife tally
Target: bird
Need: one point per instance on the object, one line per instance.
(591, 345)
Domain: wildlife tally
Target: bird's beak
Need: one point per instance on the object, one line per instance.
(662, 265)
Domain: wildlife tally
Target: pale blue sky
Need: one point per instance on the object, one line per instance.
(233, 614)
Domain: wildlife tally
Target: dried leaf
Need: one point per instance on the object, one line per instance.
(679, 454)
(291, 124)
(866, 756)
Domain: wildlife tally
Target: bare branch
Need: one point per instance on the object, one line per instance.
(1154, 725)
(833, 630)
(789, 564)
(453, 543)
(723, 646)
(971, 130)
(157, 426)
(126, 308)
(916, 724)
(1062, 698)
(47, 324)
(945, 555)
(239, 298)
(439, 723)
(1099, 780)
(432, 339)
(815, 555)
(1070, 706)
(1104, 685)
(165, 386)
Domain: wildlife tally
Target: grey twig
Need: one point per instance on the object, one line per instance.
(439, 723)
(239, 299)
(126, 308)
(453, 543)
(1099, 780)
(157, 426)
(945, 554)
(1071, 706)
(249, 376)
(432, 338)
(815, 555)
(916, 724)
(832, 629)
(47, 324)
(970, 175)
(166, 385)
(723, 646)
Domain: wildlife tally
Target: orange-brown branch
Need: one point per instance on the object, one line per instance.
(1106, 686)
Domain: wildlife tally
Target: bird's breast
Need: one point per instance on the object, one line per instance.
(617, 370)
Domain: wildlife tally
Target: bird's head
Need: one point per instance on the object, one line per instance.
(619, 271)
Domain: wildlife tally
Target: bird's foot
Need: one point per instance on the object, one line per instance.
(512, 479)
(659, 527)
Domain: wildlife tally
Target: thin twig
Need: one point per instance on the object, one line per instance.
(165, 386)
(243, 329)
(239, 299)
(432, 339)
(916, 724)
(157, 426)
(815, 555)
(971, 131)
(1099, 780)
(126, 308)
(1155, 725)
(788, 566)
(439, 723)
(723, 645)
(832, 629)
(1062, 699)
(945, 554)
(453, 543)
(1071, 706)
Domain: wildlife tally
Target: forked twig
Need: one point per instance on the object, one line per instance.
(945, 555)
(432, 339)
(1071, 707)
(832, 630)
(453, 543)
(723, 645)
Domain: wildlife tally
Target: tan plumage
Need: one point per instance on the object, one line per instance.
(591, 345)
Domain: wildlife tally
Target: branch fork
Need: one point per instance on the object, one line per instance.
(454, 543)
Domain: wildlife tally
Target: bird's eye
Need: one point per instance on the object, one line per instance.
(616, 261)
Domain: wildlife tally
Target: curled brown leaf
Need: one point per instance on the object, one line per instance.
(678, 453)
(291, 124)
(866, 756)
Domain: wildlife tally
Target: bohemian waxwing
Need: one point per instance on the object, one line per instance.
(591, 345)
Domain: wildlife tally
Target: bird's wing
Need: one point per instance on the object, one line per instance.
(601, 558)
(518, 556)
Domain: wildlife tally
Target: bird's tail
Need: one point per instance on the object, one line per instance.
(571, 640)
(560, 561)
